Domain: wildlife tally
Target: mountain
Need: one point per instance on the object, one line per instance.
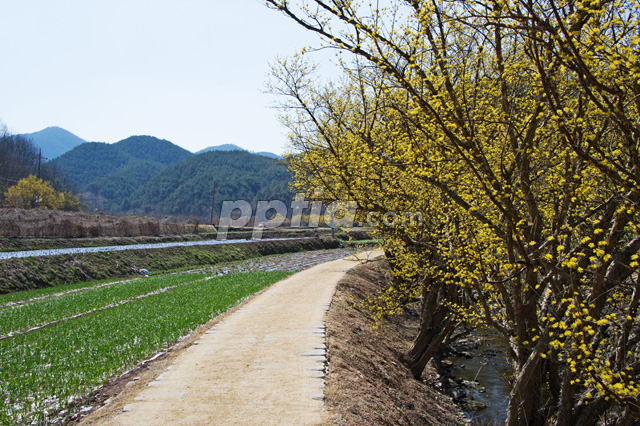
(144, 174)
(186, 187)
(153, 149)
(112, 172)
(269, 154)
(224, 147)
(232, 147)
(54, 141)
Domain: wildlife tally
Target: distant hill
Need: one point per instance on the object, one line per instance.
(144, 174)
(269, 154)
(232, 147)
(185, 188)
(54, 141)
(153, 149)
(223, 147)
(112, 172)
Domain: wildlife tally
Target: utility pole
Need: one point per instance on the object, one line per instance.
(39, 161)
(213, 199)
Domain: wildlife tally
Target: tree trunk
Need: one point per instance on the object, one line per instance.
(522, 409)
(435, 325)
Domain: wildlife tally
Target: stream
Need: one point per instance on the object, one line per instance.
(478, 372)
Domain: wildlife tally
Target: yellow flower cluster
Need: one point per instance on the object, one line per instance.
(523, 165)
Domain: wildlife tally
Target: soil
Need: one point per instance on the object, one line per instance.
(367, 384)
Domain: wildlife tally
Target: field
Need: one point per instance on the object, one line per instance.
(57, 345)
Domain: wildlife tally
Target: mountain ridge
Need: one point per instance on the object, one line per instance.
(223, 147)
(144, 174)
(112, 172)
(54, 141)
(233, 147)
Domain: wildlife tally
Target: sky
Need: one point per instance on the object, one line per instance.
(190, 71)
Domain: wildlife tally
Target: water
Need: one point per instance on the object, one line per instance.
(53, 252)
(489, 371)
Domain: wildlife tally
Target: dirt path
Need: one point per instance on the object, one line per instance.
(264, 364)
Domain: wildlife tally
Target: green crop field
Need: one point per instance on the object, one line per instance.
(56, 348)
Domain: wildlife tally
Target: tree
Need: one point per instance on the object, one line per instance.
(18, 157)
(32, 192)
(512, 126)
(340, 133)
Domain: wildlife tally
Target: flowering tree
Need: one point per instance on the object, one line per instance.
(513, 127)
(32, 192)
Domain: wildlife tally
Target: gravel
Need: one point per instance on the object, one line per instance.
(291, 262)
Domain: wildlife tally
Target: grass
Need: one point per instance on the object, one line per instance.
(19, 318)
(52, 271)
(47, 291)
(45, 370)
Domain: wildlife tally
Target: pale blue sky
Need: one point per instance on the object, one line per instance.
(189, 71)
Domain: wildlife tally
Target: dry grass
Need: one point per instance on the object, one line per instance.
(50, 223)
(367, 384)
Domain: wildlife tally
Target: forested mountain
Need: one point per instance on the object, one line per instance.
(91, 161)
(54, 141)
(153, 149)
(185, 188)
(148, 175)
(269, 154)
(223, 147)
(111, 172)
(232, 147)
(111, 192)
(144, 174)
